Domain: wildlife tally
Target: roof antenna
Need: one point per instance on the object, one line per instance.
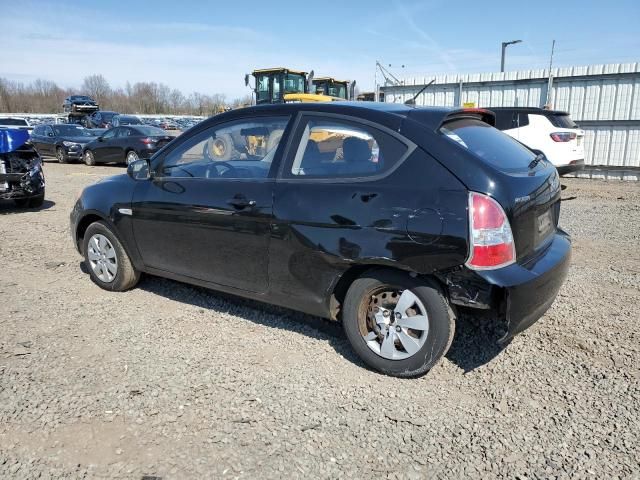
(412, 101)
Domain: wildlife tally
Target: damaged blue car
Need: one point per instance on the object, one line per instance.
(21, 175)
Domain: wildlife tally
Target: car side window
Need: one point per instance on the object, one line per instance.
(110, 133)
(122, 132)
(337, 148)
(38, 130)
(239, 149)
(523, 119)
(505, 119)
(48, 132)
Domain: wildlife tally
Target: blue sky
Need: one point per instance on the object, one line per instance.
(207, 47)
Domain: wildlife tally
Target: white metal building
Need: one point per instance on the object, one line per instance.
(603, 99)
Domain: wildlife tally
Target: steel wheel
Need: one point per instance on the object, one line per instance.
(102, 258)
(131, 157)
(395, 324)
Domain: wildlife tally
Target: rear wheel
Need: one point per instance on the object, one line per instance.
(398, 325)
(89, 158)
(106, 259)
(61, 155)
(132, 156)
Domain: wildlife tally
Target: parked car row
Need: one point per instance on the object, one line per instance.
(122, 144)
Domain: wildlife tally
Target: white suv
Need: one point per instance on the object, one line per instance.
(547, 131)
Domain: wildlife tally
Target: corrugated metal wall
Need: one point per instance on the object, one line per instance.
(603, 99)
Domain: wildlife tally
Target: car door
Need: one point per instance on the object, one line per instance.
(122, 142)
(105, 149)
(48, 141)
(38, 140)
(331, 203)
(94, 120)
(206, 213)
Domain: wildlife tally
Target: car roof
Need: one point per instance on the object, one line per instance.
(537, 110)
(390, 115)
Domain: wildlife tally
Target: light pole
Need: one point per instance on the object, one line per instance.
(504, 47)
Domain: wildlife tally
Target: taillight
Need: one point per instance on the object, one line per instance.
(491, 239)
(147, 141)
(563, 136)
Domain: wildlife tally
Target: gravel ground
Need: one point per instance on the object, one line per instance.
(173, 381)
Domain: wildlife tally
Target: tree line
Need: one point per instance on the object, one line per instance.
(45, 96)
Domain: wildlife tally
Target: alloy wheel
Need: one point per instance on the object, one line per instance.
(102, 258)
(131, 157)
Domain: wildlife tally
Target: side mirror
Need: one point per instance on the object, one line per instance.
(246, 80)
(100, 139)
(139, 170)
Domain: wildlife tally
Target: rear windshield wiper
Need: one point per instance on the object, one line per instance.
(536, 160)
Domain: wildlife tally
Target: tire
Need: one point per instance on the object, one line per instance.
(37, 201)
(89, 158)
(220, 148)
(61, 155)
(130, 157)
(117, 279)
(430, 342)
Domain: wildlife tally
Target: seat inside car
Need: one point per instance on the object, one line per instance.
(356, 150)
(356, 154)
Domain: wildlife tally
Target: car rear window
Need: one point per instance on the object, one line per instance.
(18, 122)
(561, 120)
(488, 143)
(145, 130)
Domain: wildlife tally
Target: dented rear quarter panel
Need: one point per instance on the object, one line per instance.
(414, 219)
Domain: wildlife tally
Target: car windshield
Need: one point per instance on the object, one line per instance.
(71, 131)
(80, 97)
(129, 120)
(18, 122)
(488, 143)
(151, 131)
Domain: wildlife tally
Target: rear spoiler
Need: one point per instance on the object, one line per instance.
(486, 116)
(434, 118)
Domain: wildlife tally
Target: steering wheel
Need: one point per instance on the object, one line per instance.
(212, 170)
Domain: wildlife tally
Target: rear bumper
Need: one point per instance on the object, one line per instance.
(573, 166)
(531, 288)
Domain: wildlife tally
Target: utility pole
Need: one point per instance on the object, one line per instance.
(550, 84)
(504, 48)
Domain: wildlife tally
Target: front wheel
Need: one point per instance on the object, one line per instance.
(398, 325)
(89, 158)
(106, 259)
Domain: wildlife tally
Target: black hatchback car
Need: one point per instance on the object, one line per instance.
(125, 144)
(383, 216)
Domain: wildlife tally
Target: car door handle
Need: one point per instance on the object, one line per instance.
(240, 203)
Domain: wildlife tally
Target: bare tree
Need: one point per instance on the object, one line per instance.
(44, 96)
(97, 87)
